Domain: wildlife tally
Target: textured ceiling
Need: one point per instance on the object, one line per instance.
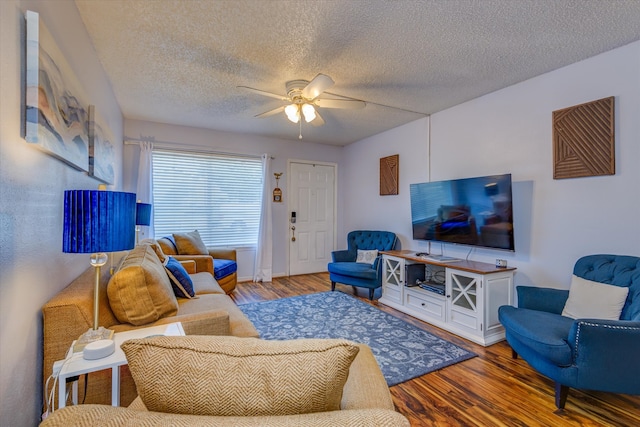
(180, 62)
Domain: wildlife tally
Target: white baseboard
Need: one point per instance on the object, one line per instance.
(250, 279)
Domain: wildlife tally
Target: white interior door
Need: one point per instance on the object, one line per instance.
(312, 198)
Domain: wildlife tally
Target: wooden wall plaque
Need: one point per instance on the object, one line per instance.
(584, 140)
(389, 167)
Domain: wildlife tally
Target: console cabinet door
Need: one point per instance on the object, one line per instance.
(498, 291)
(464, 295)
(392, 278)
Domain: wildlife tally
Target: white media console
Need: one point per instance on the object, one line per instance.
(460, 296)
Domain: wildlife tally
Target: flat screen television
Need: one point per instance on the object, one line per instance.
(470, 211)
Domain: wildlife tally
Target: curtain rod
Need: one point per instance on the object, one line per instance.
(167, 145)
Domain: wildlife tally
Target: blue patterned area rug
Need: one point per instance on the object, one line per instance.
(403, 351)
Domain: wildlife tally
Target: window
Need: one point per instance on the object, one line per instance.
(218, 195)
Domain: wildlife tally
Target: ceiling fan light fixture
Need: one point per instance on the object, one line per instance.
(309, 112)
(292, 112)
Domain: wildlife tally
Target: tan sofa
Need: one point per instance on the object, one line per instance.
(70, 313)
(227, 283)
(256, 394)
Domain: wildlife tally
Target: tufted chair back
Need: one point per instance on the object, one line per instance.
(615, 270)
(368, 240)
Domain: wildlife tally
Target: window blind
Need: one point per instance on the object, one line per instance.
(218, 195)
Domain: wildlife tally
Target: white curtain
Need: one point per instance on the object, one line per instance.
(144, 190)
(262, 270)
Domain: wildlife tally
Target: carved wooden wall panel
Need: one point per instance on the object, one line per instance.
(389, 175)
(584, 140)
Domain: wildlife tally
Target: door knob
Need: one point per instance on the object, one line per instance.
(293, 230)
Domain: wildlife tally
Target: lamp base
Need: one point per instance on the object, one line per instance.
(92, 335)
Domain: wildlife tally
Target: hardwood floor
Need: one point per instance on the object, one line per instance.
(489, 390)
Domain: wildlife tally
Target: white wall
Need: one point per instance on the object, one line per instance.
(364, 208)
(556, 221)
(281, 150)
(32, 265)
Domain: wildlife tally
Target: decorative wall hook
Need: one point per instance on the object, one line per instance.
(277, 192)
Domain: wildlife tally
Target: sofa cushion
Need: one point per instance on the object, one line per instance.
(94, 415)
(204, 283)
(140, 291)
(593, 300)
(180, 280)
(353, 269)
(239, 376)
(545, 333)
(239, 325)
(224, 267)
(190, 243)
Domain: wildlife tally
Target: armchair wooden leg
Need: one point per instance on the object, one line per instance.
(333, 286)
(514, 355)
(562, 391)
(371, 291)
(355, 290)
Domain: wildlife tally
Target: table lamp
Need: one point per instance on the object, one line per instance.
(143, 217)
(97, 222)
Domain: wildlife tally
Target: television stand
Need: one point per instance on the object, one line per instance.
(473, 292)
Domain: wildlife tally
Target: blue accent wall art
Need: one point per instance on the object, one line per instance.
(56, 111)
(101, 148)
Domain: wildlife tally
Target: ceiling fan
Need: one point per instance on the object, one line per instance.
(304, 97)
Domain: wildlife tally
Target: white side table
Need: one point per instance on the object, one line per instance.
(76, 365)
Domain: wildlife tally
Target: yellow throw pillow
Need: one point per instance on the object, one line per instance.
(140, 292)
(156, 248)
(190, 243)
(232, 376)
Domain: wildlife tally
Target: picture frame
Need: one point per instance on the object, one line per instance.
(56, 116)
(389, 175)
(584, 140)
(101, 149)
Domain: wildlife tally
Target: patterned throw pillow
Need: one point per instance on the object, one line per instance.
(367, 257)
(190, 243)
(180, 280)
(251, 377)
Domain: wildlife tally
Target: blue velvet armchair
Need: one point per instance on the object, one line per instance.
(345, 269)
(589, 354)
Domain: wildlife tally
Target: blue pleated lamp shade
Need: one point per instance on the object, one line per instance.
(143, 214)
(98, 221)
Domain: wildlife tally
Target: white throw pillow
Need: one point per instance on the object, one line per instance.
(594, 300)
(367, 257)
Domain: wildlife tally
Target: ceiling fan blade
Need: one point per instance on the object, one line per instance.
(318, 121)
(262, 92)
(319, 84)
(271, 112)
(340, 103)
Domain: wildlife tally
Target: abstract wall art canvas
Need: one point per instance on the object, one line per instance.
(101, 148)
(584, 140)
(389, 175)
(56, 111)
